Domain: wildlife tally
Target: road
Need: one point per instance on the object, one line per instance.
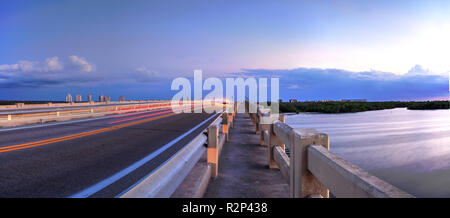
(87, 158)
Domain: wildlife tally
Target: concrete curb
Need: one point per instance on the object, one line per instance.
(196, 182)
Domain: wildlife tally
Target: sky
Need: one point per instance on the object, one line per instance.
(376, 50)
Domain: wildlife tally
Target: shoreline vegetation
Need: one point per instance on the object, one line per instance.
(351, 107)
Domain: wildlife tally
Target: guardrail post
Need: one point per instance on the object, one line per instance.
(225, 125)
(213, 150)
(230, 119)
(302, 182)
(9, 117)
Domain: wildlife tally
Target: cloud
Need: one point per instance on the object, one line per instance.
(419, 70)
(53, 64)
(50, 72)
(81, 63)
(74, 70)
(338, 84)
(142, 74)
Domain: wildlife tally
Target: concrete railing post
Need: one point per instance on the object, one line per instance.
(257, 123)
(263, 126)
(274, 140)
(282, 118)
(213, 150)
(225, 125)
(302, 182)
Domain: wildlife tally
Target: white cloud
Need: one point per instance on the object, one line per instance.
(371, 85)
(73, 70)
(83, 65)
(49, 72)
(53, 64)
(419, 70)
(142, 74)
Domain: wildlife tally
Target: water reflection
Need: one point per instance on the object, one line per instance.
(408, 148)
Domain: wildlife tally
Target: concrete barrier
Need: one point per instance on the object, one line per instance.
(20, 118)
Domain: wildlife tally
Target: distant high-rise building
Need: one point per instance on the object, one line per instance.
(69, 98)
(89, 98)
(107, 99)
(101, 98)
(293, 101)
(122, 98)
(78, 98)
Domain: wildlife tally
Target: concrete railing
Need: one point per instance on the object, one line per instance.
(191, 168)
(310, 169)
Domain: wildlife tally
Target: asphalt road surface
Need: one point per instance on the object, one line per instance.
(87, 158)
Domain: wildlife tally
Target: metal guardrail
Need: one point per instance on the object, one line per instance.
(165, 180)
(311, 170)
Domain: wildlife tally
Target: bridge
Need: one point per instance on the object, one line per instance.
(151, 149)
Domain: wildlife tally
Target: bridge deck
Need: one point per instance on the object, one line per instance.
(243, 170)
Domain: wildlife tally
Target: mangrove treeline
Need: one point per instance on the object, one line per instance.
(349, 107)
